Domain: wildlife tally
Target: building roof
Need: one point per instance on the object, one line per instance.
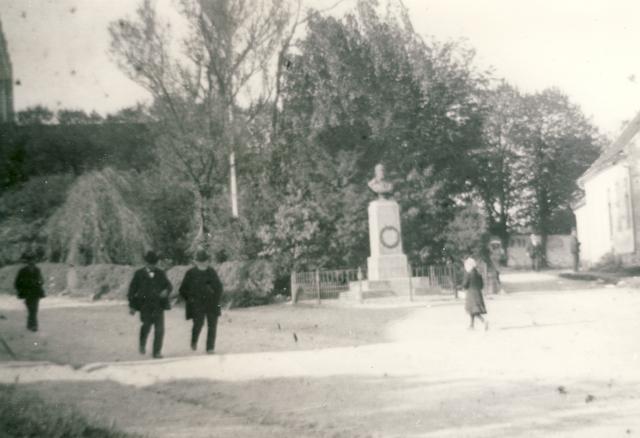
(615, 152)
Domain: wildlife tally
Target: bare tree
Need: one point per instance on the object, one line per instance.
(206, 83)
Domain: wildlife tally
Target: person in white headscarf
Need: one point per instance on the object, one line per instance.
(474, 301)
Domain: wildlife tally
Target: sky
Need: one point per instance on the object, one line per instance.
(587, 48)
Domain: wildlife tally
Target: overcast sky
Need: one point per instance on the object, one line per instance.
(589, 49)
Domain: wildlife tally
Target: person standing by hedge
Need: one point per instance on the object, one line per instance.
(149, 294)
(201, 289)
(574, 247)
(29, 285)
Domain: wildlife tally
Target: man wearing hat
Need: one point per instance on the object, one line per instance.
(201, 289)
(28, 284)
(149, 294)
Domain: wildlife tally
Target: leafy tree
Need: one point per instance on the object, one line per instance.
(559, 143)
(496, 180)
(196, 90)
(467, 233)
(368, 87)
(35, 115)
(77, 117)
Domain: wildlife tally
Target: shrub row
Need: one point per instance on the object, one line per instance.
(24, 415)
(246, 283)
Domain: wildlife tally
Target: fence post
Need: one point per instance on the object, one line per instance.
(359, 277)
(433, 282)
(410, 283)
(318, 285)
(452, 275)
(294, 289)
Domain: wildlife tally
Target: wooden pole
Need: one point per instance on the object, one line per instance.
(360, 277)
(410, 283)
(318, 285)
(452, 275)
(233, 185)
(294, 291)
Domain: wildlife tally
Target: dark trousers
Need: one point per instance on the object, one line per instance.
(32, 313)
(576, 262)
(156, 319)
(199, 315)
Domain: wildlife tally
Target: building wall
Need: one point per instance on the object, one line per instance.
(633, 152)
(558, 251)
(605, 223)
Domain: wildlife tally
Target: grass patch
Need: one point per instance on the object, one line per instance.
(23, 414)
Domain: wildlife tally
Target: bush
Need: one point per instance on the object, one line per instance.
(246, 283)
(103, 281)
(55, 278)
(609, 263)
(24, 415)
(17, 237)
(467, 233)
(95, 224)
(167, 210)
(36, 198)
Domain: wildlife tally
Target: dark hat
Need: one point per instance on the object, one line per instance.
(201, 256)
(151, 257)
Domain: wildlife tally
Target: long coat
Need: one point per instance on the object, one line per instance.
(149, 290)
(474, 302)
(29, 283)
(201, 289)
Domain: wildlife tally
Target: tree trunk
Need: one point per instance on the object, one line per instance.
(200, 220)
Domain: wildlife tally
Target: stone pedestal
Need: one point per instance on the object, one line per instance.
(385, 239)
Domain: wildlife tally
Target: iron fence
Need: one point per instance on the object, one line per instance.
(423, 280)
(319, 285)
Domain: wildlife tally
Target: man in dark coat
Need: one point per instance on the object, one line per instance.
(149, 294)
(29, 285)
(201, 289)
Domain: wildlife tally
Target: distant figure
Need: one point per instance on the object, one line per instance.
(574, 246)
(29, 285)
(201, 289)
(149, 294)
(379, 185)
(474, 302)
(534, 249)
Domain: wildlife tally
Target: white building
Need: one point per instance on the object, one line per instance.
(608, 216)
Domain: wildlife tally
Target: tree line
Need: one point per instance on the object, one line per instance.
(309, 102)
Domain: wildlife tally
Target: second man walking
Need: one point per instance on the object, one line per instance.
(201, 289)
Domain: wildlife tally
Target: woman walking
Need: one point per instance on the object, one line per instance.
(474, 302)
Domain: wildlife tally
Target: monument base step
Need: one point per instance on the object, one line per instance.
(400, 287)
(366, 295)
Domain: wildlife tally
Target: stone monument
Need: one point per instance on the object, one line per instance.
(385, 237)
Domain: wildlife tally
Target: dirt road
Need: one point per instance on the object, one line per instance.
(554, 363)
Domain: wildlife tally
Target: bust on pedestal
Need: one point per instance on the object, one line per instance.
(385, 238)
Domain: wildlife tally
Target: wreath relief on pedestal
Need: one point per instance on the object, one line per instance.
(389, 237)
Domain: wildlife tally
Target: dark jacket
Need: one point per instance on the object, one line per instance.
(201, 289)
(149, 290)
(474, 301)
(29, 283)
